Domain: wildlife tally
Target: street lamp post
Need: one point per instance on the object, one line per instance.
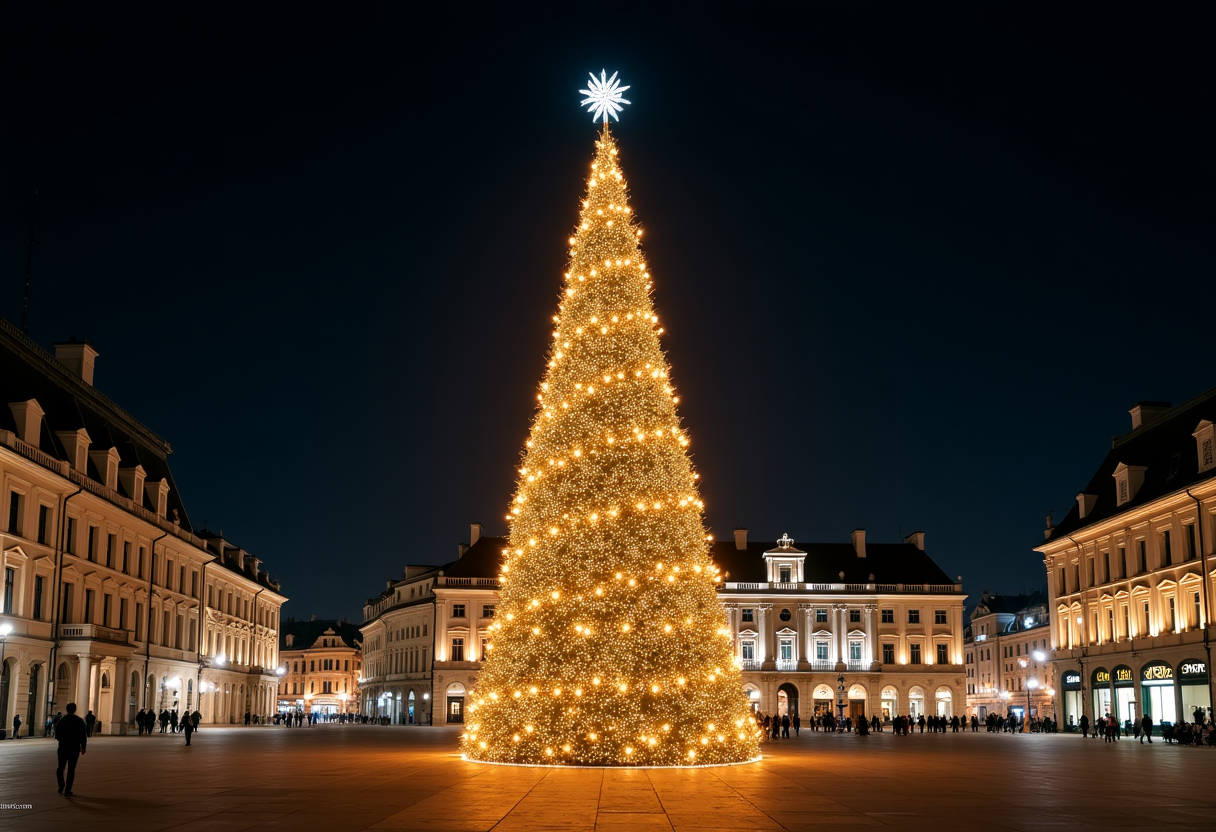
(1031, 684)
(1052, 693)
(840, 702)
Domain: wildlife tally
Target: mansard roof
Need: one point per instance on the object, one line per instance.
(30, 372)
(889, 563)
(1164, 445)
(481, 560)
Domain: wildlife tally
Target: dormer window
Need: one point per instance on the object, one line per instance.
(1128, 479)
(1205, 445)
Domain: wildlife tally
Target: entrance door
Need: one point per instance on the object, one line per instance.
(455, 709)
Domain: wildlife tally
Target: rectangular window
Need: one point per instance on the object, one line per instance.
(169, 574)
(783, 574)
(1191, 552)
(424, 626)
(142, 551)
(458, 649)
(939, 616)
(39, 583)
(943, 654)
(193, 584)
(854, 651)
(1089, 568)
(1145, 628)
(1143, 555)
(457, 610)
(14, 513)
(913, 616)
(1063, 582)
(1173, 615)
(67, 604)
(1122, 561)
(821, 651)
(91, 551)
(312, 666)
(888, 616)
(487, 610)
(915, 653)
(139, 622)
(1167, 553)
(181, 584)
(1127, 622)
(107, 602)
(888, 654)
(70, 543)
(1106, 566)
(88, 606)
(10, 578)
(125, 566)
(1110, 620)
(44, 522)
(821, 616)
(749, 651)
(122, 613)
(111, 548)
(854, 616)
(786, 648)
(1198, 610)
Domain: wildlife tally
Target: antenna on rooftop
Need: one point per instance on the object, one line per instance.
(29, 265)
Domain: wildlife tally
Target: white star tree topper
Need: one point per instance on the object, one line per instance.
(604, 96)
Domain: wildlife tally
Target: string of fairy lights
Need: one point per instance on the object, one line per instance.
(610, 646)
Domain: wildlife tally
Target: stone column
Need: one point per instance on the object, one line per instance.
(805, 627)
(767, 637)
(840, 635)
(872, 637)
(83, 678)
(117, 718)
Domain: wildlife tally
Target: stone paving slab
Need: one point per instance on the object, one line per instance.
(353, 778)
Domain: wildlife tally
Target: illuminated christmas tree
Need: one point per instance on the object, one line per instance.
(610, 646)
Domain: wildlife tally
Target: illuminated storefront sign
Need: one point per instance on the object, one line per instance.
(1157, 673)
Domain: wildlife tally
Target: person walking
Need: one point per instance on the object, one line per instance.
(188, 727)
(72, 738)
(90, 720)
(1146, 729)
(16, 726)
(797, 722)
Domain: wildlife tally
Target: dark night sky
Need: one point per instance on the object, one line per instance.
(915, 261)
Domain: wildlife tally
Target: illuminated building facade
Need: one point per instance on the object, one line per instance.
(113, 600)
(892, 626)
(423, 637)
(322, 662)
(1130, 572)
(883, 616)
(1007, 649)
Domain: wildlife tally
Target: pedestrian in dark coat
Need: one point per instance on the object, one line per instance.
(71, 738)
(188, 727)
(16, 726)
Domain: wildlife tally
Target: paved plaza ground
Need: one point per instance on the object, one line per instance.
(355, 777)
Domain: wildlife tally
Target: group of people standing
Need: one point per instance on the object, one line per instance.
(169, 721)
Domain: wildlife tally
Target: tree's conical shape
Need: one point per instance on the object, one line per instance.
(610, 646)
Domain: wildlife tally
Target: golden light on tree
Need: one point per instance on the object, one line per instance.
(609, 645)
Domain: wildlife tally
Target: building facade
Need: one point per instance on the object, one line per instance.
(1130, 572)
(114, 601)
(846, 628)
(322, 664)
(1007, 650)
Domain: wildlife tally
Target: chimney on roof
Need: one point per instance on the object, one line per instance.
(741, 538)
(1145, 412)
(77, 356)
(28, 416)
(461, 548)
(314, 617)
(474, 534)
(917, 539)
(859, 542)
